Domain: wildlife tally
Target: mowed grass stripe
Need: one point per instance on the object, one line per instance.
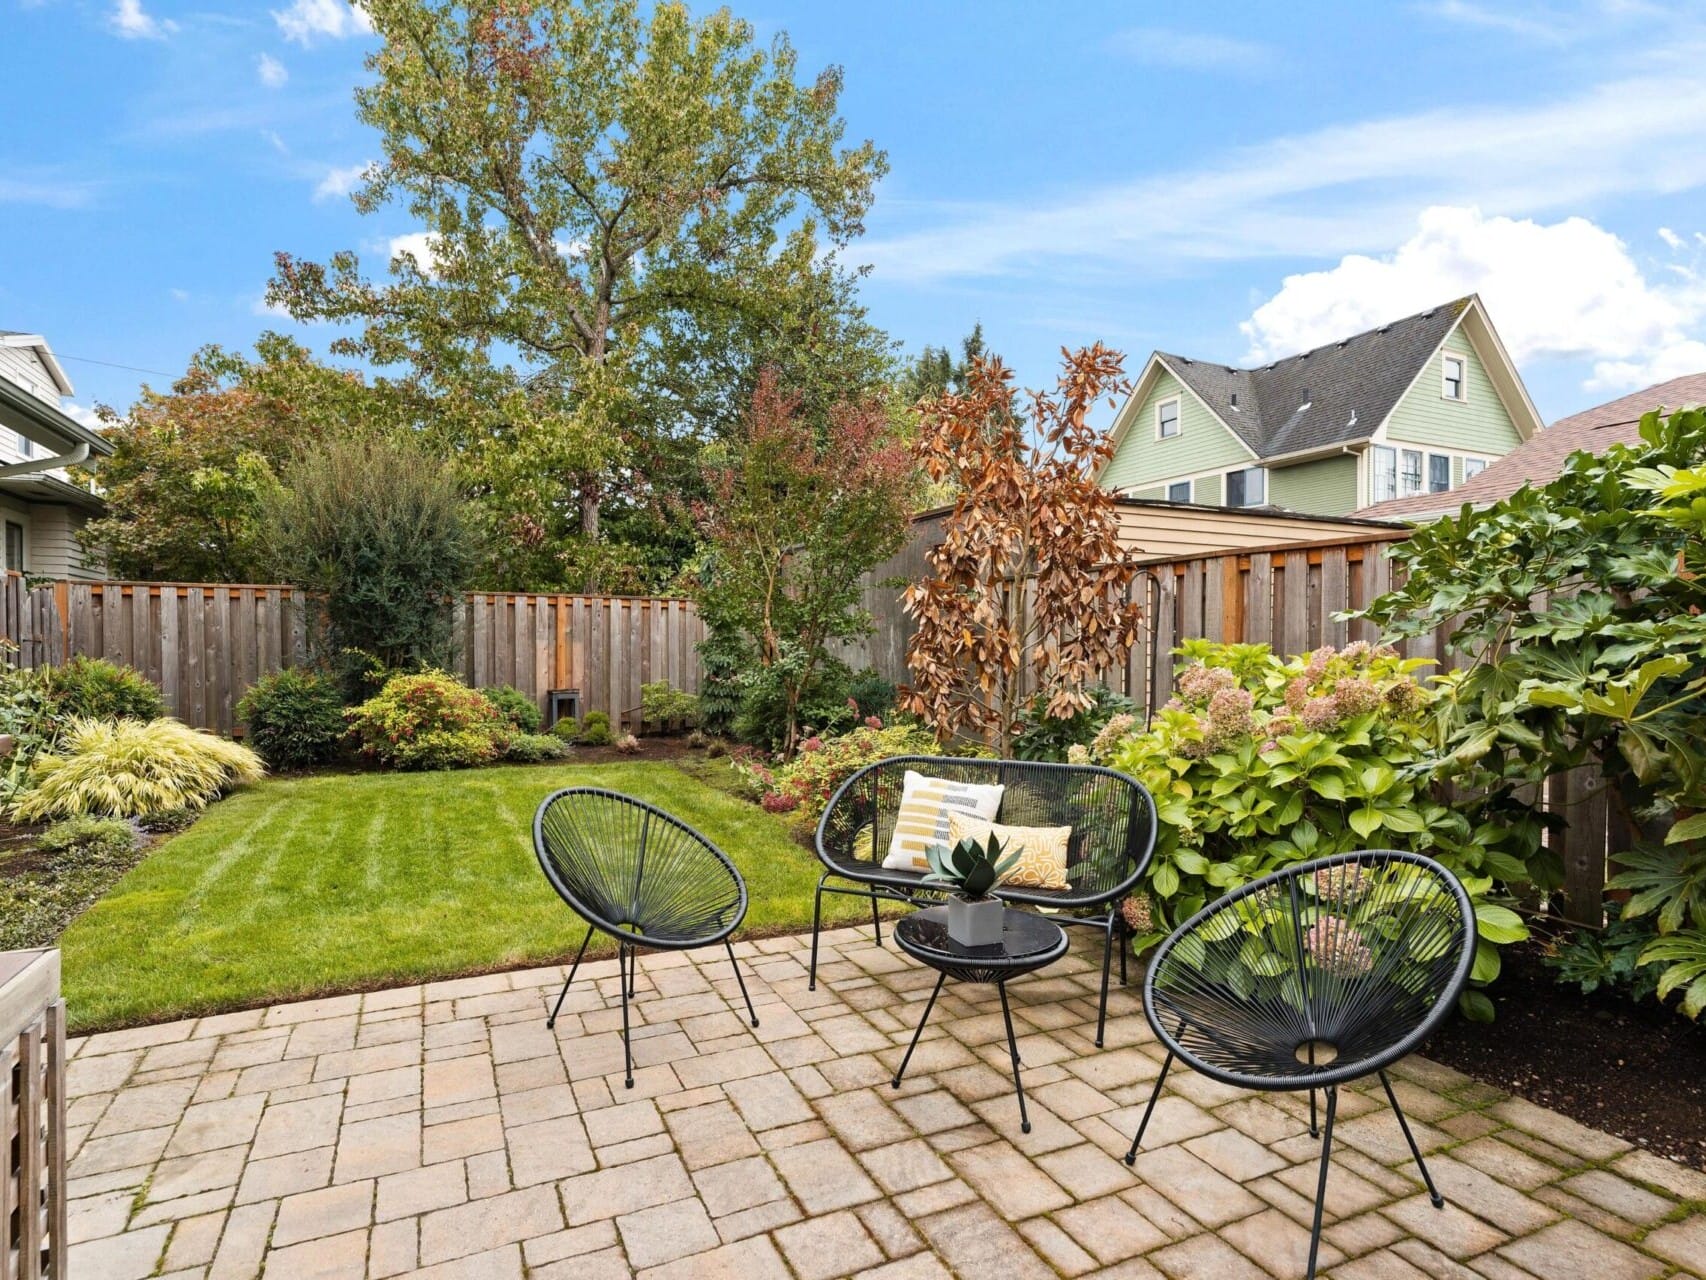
(301, 887)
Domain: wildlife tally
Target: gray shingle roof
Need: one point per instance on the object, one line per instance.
(1332, 395)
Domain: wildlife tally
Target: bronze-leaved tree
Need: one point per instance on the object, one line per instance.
(595, 184)
(798, 513)
(1029, 590)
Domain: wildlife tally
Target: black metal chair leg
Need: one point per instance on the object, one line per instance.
(1013, 1048)
(1321, 1184)
(876, 921)
(564, 993)
(929, 1005)
(1427, 1178)
(1314, 1130)
(1131, 1156)
(733, 964)
(1107, 962)
(817, 926)
(626, 958)
(1125, 948)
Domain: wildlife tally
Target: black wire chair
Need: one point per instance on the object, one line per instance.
(1113, 836)
(645, 878)
(1325, 972)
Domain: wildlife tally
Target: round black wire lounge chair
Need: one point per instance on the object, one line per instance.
(1320, 974)
(645, 878)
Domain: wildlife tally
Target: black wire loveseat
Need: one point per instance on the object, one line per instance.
(1113, 836)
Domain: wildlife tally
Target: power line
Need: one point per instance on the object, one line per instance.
(130, 368)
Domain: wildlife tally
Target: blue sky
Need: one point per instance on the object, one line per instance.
(1233, 181)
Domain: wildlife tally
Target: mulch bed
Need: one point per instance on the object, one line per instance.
(1635, 1070)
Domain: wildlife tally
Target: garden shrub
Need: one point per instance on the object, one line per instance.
(662, 703)
(872, 693)
(89, 839)
(516, 707)
(428, 721)
(595, 730)
(127, 769)
(295, 718)
(379, 529)
(28, 714)
(1041, 736)
(567, 728)
(697, 740)
(628, 744)
(1597, 578)
(763, 719)
(534, 748)
(1260, 763)
(722, 667)
(95, 689)
(806, 783)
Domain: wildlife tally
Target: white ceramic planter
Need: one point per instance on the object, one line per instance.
(975, 922)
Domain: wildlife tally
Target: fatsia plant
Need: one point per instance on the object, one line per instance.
(1029, 589)
(1580, 606)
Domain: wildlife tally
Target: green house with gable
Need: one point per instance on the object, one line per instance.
(1417, 406)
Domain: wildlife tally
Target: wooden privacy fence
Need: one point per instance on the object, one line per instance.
(204, 644)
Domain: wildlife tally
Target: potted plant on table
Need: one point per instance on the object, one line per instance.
(973, 869)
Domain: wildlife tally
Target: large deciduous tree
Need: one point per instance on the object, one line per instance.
(191, 466)
(1029, 588)
(596, 186)
(797, 514)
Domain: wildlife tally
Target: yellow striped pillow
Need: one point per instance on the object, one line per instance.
(926, 804)
(1042, 850)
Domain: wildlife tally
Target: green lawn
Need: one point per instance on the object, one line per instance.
(308, 886)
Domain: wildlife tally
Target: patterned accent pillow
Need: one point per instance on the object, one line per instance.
(926, 804)
(1042, 850)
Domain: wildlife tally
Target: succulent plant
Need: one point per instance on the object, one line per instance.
(973, 868)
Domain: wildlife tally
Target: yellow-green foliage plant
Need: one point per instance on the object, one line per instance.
(130, 769)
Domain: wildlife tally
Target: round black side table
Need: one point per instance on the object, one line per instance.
(1028, 942)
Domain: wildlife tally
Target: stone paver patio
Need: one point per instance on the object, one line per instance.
(441, 1131)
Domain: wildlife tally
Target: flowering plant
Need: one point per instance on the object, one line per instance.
(428, 720)
(1260, 762)
(806, 782)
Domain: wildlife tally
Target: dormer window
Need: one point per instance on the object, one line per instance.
(1167, 419)
(1454, 383)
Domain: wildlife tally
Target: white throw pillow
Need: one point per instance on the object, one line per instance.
(926, 804)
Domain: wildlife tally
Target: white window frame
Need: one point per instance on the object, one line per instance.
(1190, 487)
(1178, 418)
(1226, 487)
(1462, 396)
(1381, 453)
(1480, 465)
(1404, 457)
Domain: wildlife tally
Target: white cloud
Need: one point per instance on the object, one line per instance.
(419, 245)
(340, 182)
(275, 141)
(180, 295)
(1193, 50)
(1568, 289)
(1352, 186)
(129, 21)
(271, 71)
(1671, 238)
(307, 20)
(82, 415)
(259, 306)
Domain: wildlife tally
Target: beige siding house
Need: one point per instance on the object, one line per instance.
(1418, 406)
(41, 506)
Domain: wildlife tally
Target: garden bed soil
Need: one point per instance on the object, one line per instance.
(1635, 1070)
(659, 747)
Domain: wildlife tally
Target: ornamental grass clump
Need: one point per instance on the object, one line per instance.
(128, 769)
(1259, 763)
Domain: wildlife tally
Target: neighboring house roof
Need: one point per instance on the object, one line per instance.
(1338, 394)
(38, 344)
(1541, 458)
(46, 424)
